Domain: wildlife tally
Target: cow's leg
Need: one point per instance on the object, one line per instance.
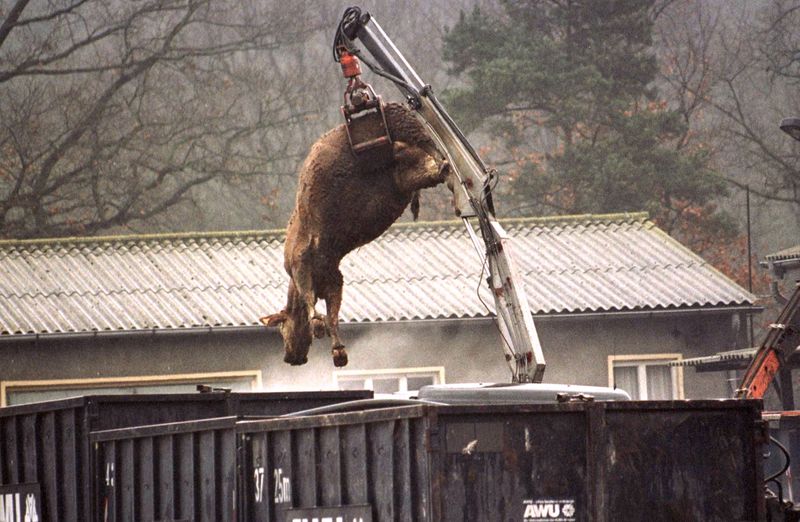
(302, 274)
(306, 289)
(415, 204)
(295, 329)
(416, 169)
(319, 326)
(333, 302)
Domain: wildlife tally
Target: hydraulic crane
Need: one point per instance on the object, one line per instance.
(473, 202)
(783, 336)
(473, 192)
(781, 341)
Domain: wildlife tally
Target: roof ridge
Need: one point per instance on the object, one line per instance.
(148, 290)
(138, 238)
(619, 217)
(615, 217)
(416, 278)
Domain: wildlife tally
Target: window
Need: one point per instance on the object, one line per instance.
(22, 392)
(647, 377)
(389, 380)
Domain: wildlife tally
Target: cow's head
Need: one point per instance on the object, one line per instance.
(296, 332)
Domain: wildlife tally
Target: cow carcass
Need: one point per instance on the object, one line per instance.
(343, 202)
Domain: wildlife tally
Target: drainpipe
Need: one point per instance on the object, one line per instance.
(776, 293)
(776, 273)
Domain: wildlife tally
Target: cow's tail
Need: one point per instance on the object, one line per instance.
(415, 204)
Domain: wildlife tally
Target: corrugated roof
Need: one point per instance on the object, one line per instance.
(741, 356)
(415, 271)
(788, 254)
(733, 359)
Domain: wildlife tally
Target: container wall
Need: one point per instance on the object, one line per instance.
(45, 450)
(599, 462)
(372, 466)
(602, 462)
(119, 411)
(665, 464)
(587, 462)
(502, 466)
(174, 472)
(45, 446)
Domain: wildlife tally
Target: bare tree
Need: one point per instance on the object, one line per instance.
(111, 111)
(730, 68)
(746, 75)
(685, 34)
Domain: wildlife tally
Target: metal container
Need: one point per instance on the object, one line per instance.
(45, 455)
(785, 430)
(183, 471)
(591, 461)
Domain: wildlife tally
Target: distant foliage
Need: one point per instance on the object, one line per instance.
(567, 91)
(114, 111)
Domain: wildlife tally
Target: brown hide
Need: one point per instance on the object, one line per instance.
(343, 202)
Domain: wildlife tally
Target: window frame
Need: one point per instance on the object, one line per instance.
(7, 387)
(437, 372)
(640, 362)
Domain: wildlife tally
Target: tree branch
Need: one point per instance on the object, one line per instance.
(11, 20)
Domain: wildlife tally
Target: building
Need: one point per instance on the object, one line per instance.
(614, 299)
(780, 397)
(784, 272)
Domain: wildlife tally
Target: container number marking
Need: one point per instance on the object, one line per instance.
(258, 475)
(110, 474)
(351, 513)
(283, 487)
(11, 509)
(326, 519)
(20, 503)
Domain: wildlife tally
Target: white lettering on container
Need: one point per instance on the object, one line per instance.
(283, 487)
(258, 475)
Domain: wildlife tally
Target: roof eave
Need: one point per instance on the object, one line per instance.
(200, 330)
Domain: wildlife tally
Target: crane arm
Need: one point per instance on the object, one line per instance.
(472, 193)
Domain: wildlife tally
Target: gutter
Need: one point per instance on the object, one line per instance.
(780, 266)
(629, 314)
(150, 332)
(651, 314)
(206, 330)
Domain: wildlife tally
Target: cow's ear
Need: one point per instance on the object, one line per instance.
(274, 319)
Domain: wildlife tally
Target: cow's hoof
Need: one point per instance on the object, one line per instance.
(339, 356)
(318, 327)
